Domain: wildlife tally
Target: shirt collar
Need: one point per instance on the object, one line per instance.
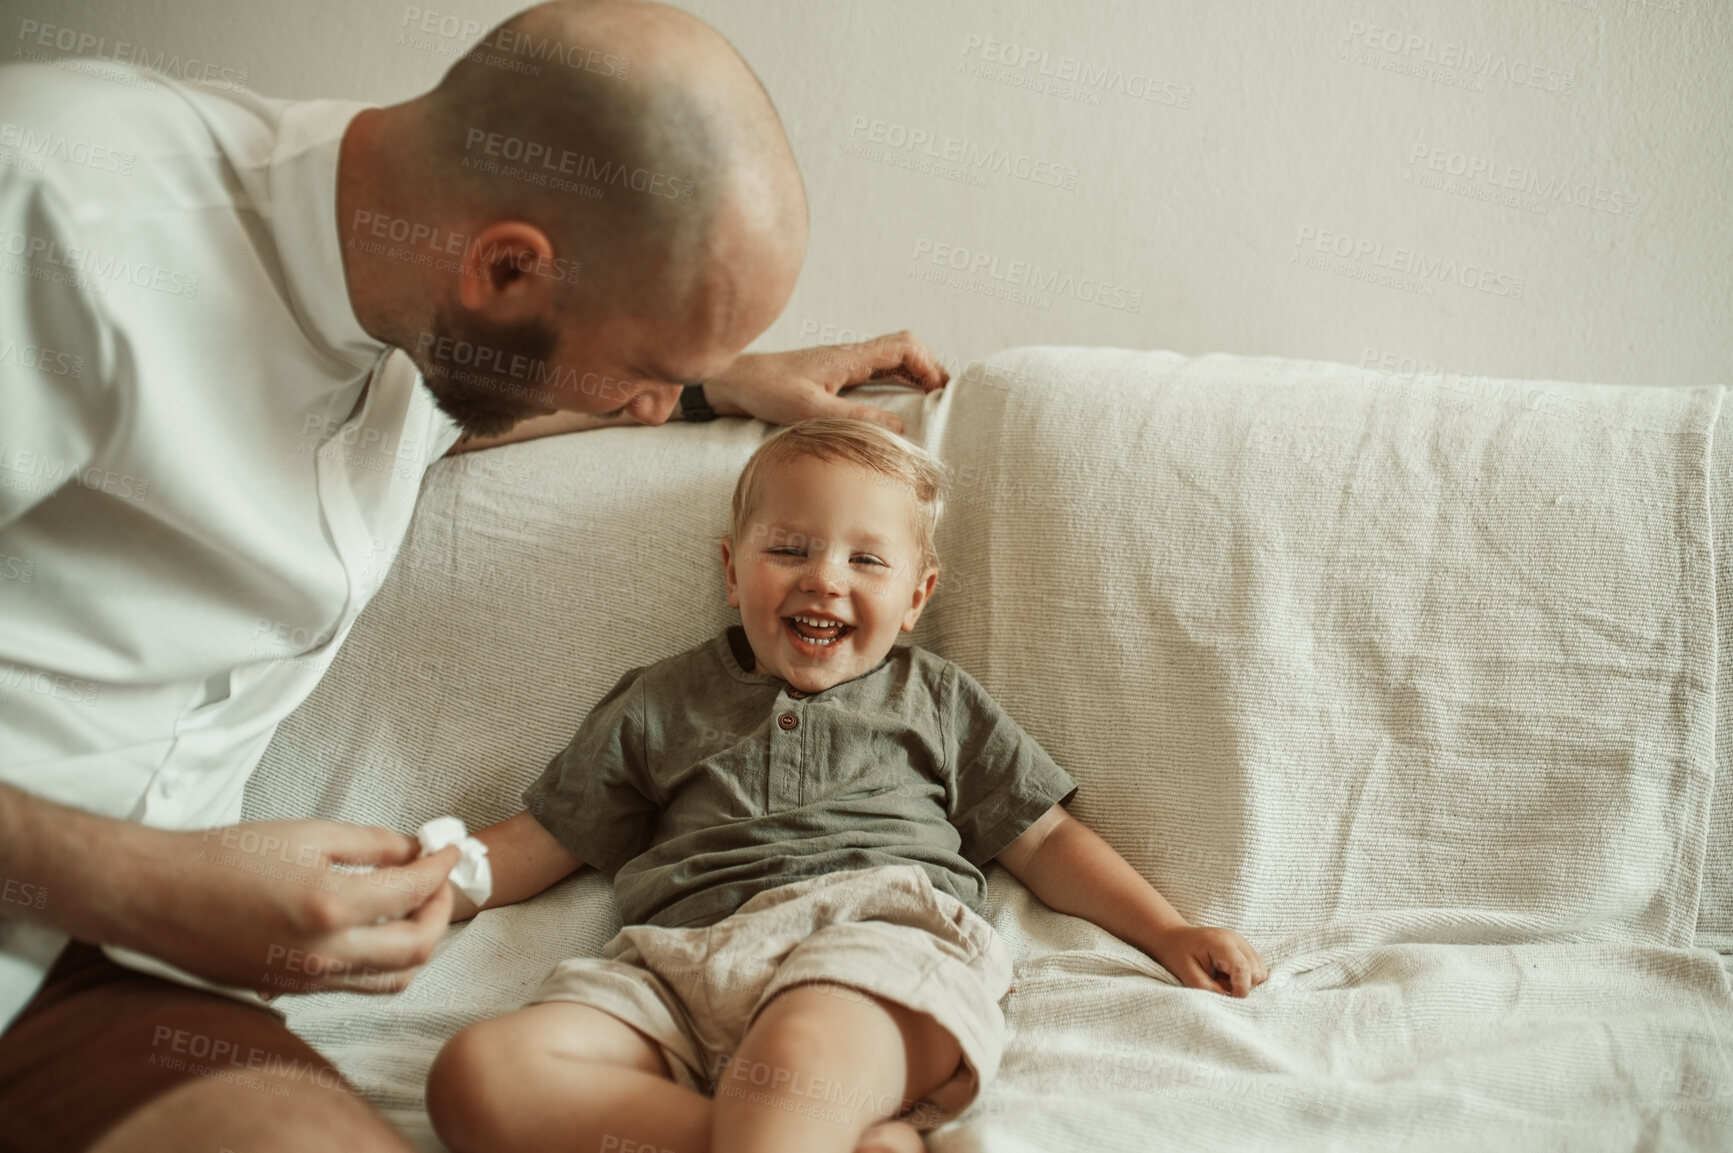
(304, 223)
(735, 651)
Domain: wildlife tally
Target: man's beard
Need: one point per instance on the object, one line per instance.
(486, 376)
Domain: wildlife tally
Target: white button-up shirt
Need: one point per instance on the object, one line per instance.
(206, 465)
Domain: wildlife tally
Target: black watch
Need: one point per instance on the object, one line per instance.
(693, 406)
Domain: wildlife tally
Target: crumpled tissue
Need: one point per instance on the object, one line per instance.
(472, 874)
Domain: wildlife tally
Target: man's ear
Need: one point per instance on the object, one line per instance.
(509, 271)
(923, 592)
(728, 569)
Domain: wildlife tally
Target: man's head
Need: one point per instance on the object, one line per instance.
(609, 205)
(830, 552)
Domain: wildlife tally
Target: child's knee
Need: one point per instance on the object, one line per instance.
(930, 1051)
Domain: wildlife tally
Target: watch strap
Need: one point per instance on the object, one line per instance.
(693, 406)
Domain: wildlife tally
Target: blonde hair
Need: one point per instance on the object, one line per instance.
(861, 442)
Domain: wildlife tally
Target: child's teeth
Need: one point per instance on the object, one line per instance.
(835, 629)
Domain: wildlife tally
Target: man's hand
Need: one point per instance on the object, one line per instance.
(784, 387)
(259, 906)
(1219, 960)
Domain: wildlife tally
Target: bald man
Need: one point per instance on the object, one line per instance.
(690, 252)
(234, 333)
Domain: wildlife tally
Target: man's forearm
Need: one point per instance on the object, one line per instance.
(81, 864)
(1075, 871)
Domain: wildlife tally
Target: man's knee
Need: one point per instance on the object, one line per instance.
(270, 1117)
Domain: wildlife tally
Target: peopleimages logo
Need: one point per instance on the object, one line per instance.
(42, 358)
(964, 153)
(1470, 170)
(88, 266)
(444, 249)
(53, 146)
(1416, 52)
(1405, 262)
(564, 162)
(1070, 70)
(988, 268)
(503, 44)
(89, 45)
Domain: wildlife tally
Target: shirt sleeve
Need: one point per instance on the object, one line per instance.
(55, 409)
(1000, 779)
(593, 796)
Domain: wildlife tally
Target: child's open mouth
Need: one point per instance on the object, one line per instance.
(817, 630)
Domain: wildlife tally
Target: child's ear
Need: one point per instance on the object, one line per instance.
(728, 570)
(923, 591)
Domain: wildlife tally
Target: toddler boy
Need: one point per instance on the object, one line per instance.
(796, 816)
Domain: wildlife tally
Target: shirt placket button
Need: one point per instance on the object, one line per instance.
(787, 721)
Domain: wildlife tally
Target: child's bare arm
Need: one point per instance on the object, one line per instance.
(1073, 870)
(525, 859)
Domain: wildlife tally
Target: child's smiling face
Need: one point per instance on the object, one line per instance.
(826, 571)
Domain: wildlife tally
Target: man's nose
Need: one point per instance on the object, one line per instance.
(654, 403)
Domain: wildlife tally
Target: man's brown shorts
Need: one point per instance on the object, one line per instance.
(99, 1041)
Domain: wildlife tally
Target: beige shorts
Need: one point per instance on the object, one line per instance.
(886, 931)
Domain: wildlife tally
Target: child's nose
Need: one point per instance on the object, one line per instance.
(822, 576)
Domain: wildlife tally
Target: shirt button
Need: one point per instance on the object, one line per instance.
(787, 721)
(797, 694)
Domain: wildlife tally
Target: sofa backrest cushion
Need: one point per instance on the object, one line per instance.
(1327, 652)
(1333, 653)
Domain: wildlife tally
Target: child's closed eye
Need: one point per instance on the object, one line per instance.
(861, 558)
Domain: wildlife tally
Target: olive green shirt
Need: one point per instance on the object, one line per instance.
(695, 784)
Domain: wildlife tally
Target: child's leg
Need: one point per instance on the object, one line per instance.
(821, 1065)
(560, 1076)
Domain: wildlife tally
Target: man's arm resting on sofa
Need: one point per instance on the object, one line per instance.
(1066, 864)
(525, 859)
(777, 387)
(255, 906)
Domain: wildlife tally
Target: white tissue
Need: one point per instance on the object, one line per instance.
(472, 875)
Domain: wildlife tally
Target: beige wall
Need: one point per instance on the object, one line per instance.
(1249, 177)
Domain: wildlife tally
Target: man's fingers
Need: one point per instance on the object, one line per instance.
(833, 406)
(365, 844)
(394, 892)
(371, 959)
(901, 355)
(879, 416)
(383, 950)
(919, 363)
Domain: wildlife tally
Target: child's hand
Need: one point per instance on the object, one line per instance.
(462, 908)
(1219, 960)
